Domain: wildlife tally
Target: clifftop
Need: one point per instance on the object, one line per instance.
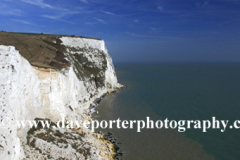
(41, 50)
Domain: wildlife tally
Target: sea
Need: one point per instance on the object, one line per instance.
(177, 91)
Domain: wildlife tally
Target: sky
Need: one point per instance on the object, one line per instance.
(137, 30)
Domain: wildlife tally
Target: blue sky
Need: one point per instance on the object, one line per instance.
(137, 30)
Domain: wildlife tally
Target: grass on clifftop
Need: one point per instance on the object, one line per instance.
(40, 50)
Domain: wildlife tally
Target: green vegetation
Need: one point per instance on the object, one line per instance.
(89, 67)
(40, 50)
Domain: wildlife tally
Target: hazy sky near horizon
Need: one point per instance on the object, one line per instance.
(137, 30)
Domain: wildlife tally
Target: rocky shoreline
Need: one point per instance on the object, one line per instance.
(67, 144)
(97, 101)
(76, 143)
(108, 136)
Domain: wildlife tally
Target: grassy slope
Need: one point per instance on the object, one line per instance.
(39, 49)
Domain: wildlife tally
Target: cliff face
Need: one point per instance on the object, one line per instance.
(27, 92)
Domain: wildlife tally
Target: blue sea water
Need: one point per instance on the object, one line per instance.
(180, 91)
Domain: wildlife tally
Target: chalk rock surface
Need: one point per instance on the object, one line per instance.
(28, 92)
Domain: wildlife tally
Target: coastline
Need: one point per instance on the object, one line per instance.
(108, 137)
(61, 141)
(94, 103)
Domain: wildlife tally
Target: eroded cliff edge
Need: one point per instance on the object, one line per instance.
(61, 86)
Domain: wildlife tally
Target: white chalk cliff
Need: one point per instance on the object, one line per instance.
(27, 92)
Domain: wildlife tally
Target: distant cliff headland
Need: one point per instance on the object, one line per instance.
(51, 77)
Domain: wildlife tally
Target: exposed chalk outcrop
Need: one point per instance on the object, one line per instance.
(27, 92)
